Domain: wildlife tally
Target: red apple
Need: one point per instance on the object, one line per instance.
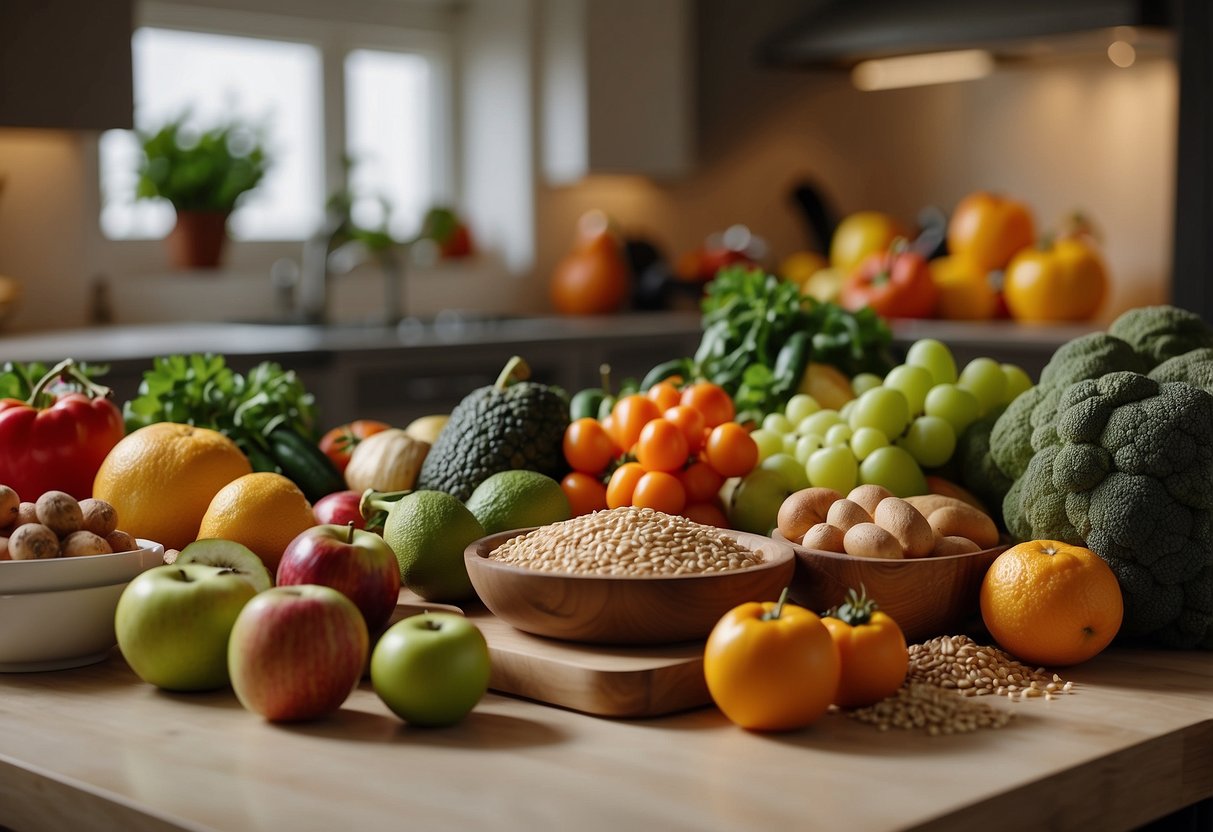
(297, 652)
(356, 563)
(339, 508)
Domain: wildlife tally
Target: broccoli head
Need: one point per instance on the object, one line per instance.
(1194, 367)
(1027, 424)
(1162, 332)
(1130, 473)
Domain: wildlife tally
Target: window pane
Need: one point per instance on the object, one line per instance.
(388, 123)
(275, 85)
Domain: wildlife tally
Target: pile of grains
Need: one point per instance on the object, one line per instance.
(930, 708)
(959, 663)
(626, 541)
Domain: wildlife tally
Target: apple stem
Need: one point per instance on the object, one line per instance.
(185, 576)
(431, 624)
(774, 614)
(350, 537)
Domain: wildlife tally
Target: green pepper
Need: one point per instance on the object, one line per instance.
(587, 403)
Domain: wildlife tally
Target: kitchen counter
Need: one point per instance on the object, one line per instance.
(94, 748)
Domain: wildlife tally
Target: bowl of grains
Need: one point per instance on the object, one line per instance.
(624, 576)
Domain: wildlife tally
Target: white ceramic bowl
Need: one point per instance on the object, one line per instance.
(17, 576)
(59, 613)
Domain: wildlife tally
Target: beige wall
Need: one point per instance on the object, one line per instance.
(1078, 135)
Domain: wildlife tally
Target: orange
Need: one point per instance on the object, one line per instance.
(1051, 603)
(160, 479)
(264, 511)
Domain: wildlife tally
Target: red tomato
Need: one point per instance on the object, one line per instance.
(895, 283)
(339, 443)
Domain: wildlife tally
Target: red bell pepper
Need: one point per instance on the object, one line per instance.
(56, 442)
(896, 283)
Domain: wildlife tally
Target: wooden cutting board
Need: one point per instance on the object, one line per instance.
(619, 682)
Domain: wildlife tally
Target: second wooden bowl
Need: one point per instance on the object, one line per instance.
(599, 609)
(925, 596)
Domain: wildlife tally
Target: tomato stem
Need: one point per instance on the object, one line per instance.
(773, 614)
(68, 368)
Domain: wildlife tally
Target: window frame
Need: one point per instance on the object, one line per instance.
(428, 35)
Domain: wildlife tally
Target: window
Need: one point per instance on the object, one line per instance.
(275, 75)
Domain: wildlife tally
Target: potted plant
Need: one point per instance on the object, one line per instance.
(203, 174)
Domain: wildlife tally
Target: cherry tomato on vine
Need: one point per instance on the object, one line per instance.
(629, 416)
(712, 400)
(731, 450)
(665, 394)
(585, 493)
(662, 446)
(622, 484)
(691, 422)
(587, 446)
(659, 491)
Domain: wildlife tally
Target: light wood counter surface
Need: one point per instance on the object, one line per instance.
(95, 748)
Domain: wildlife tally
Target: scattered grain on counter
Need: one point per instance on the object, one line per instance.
(626, 541)
(931, 709)
(958, 663)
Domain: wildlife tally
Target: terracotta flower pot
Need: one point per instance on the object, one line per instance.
(196, 241)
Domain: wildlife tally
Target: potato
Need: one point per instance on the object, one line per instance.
(10, 503)
(954, 545)
(869, 496)
(964, 521)
(59, 512)
(824, 536)
(844, 514)
(33, 541)
(803, 509)
(867, 540)
(927, 503)
(84, 542)
(27, 512)
(120, 541)
(907, 524)
(100, 517)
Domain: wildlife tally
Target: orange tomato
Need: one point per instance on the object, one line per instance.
(1050, 603)
(709, 514)
(629, 416)
(988, 230)
(587, 446)
(665, 393)
(1065, 282)
(712, 400)
(701, 481)
(771, 666)
(338, 444)
(691, 422)
(622, 484)
(662, 446)
(872, 650)
(659, 491)
(594, 278)
(585, 493)
(731, 450)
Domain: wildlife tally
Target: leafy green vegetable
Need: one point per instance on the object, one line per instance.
(200, 389)
(760, 332)
(17, 380)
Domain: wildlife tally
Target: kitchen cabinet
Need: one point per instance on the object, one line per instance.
(66, 64)
(616, 88)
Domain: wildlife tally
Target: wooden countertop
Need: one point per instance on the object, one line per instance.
(94, 748)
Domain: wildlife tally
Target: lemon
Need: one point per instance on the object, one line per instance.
(518, 499)
(263, 511)
(427, 428)
(428, 531)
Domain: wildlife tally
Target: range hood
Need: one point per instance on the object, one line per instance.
(843, 33)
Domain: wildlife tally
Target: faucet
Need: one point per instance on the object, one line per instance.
(335, 250)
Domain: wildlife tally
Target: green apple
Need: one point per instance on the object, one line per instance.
(431, 669)
(754, 504)
(173, 624)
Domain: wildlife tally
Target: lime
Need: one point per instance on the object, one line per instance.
(518, 499)
(428, 531)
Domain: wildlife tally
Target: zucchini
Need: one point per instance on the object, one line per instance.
(302, 461)
(259, 458)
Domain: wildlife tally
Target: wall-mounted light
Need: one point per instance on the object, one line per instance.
(920, 70)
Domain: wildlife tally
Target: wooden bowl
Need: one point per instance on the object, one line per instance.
(600, 609)
(925, 596)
